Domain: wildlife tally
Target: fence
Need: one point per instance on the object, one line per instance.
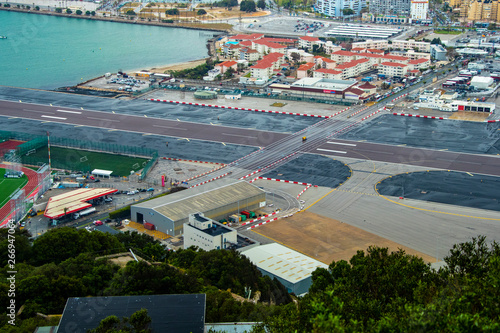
(149, 166)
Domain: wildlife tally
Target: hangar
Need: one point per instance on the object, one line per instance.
(291, 268)
(216, 201)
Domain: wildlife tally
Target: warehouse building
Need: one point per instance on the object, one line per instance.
(215, 200)
(314, 87)
(291, 268)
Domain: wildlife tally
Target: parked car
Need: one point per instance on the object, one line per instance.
(150, 189)
(98, 222)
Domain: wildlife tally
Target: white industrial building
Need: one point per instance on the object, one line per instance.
(433, 99)
(208, 234)
(419, 9)
(481, 82)
(291, 268)
(361, 31)
(215, 200)
(335, 7)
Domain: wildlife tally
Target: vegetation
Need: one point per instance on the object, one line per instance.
(226, 3)
(172, 12)
(122, 213)
(78, 12)
(58, 10)
(248, 6)
(261, 4)
(9, 185)
(201, 12)
(130, 12)
(448, 32)
(69, 11)
(195, 73)
(66, 262)
(138, 322)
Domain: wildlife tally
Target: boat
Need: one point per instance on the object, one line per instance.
(3, 37)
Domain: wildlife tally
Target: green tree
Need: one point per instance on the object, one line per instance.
(130, 12)
(229, 73)
(78, 12)
(172, 12)
(247, 6)
(347, 11)
(139, 322)
(261, 4)
(69, 11)
(87, 13)
(92, 13)
(58, 10)
(201, 12)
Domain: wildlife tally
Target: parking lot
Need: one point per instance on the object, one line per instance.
(118, 82)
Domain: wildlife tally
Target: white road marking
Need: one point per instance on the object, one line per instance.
(51, 117)
(332, 151)
(243, 136)
(117, 121)
(67, 111)
(342, 144)
(176, 128)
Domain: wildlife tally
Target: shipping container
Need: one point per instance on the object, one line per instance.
(252, 215)
(243, 217)
(246, 213)
(149, 226)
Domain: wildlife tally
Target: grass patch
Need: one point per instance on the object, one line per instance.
(447, 32)
(278, 104)
(9, 186)
(247, 74)
(85, 161)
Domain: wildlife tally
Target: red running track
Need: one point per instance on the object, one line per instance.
(5, 211)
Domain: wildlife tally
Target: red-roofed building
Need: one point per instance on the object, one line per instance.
(419, 63)
(246, 43)
(395, 58)
(353, 68)
(343, 56)
(304, 70)
(375, 51)
(355, 93)
(264, 47)
(282, 41)
(239, 38)
(368, 88)
(249, 54)
(325, 73)
(324, 62)
(231, 50)
(264, 69)
(307, 42)
(358, 50)
(224, 66)
(393, 69)
(373, 58)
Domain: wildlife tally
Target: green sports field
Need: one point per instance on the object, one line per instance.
(85, 161)
(9, 186)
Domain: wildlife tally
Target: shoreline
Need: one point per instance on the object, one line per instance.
(114, 19)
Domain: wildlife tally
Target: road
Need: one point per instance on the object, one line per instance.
(316, 134)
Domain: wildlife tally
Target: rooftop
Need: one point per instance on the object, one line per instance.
(328, 84)
(309, 38)
(74, 201)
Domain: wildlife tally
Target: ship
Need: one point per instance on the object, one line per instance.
(3, 37)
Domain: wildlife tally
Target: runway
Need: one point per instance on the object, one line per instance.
(448, 160)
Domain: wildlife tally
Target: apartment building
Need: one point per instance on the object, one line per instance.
(329, 47)
(307, 42)
(393, 69)
(477, 10)
(411, 44)
(343, 56)
(421, 63)
(353, 68)
(264, 47)
(324, 62)
(305, 69)
(419, 9)
(394, 7)
(325, 73)
(249, 54)
(334, 8)
(264, 69)
(381, 44)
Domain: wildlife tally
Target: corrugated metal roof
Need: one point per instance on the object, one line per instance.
(206, 197)
(283, 262)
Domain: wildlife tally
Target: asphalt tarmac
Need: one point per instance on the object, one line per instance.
(455, 188)
(313, 169)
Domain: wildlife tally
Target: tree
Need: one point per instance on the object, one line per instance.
(172, 12)
(347, 11)
(78, 12)
(87, 13)
(295, 57)
(201, 12)
(130, 12)
(229, 73)
(69, 11)
(261, 4)
(436, 41)
(492, 26)
(37, 8)
(92, 13)
(139, 322)
(247, 6)
(58, 10)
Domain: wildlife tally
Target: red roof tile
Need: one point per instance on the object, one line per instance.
(418, 61)
(309, 38)
(328, 71)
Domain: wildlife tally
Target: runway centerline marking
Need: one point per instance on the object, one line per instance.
(67, 111)
(176, 128)
(242, 136)
(52, 117)
(332, 151)
(378, 152)
(341, 143)
(117, 121)
(37, 111)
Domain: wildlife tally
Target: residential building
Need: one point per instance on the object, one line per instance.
(353, 68)
(343, 56)
(249, 54)
(324, 62)
(264, 69)
(224, 66)
(329, 47)
(419, 9)
(264, 47)
(421, 63)
(208, 234)
(395, 58)
(383, 18)
(411, 44)
(304, 56)
(239, 38)
(283, 41)
(392, 69)
(334, 8)
(325, 73)
(305, 70)
(231, 50)
(394, 7)
(412, 54)
(379, 44)
(438, 52)
(307, 42)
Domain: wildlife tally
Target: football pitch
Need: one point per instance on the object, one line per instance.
(85, 161)
(9, 185)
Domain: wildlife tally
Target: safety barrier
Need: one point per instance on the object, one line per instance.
(260, 218)
(417, 116)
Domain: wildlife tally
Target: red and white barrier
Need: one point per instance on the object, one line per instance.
(260, 218)
(285, 181)
(417, 116)
(262, 223)
(494, 121)
(307, 187)
(395, 99)
(211, 180)
(355, 113)
(203, 174)
(236, 108)
(194, 161)
(371, 114)
(337, 113)
(250, 174)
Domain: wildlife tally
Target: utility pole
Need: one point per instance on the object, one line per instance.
(48, 148)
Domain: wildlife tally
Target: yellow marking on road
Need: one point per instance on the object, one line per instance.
(223, 143)
(443, 149)
(404, 144)
(470, 174)
(315, 202)
(50, 104)
(146, 134)
(20, 101)
(81, 108)
(43, 122)
(178, 119)
(112, 130)
(113, 111)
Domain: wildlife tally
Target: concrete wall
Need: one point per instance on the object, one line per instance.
(297, 288)
(161, 222)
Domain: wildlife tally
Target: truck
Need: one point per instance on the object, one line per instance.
(84, 212)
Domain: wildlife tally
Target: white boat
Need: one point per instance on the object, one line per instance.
(3, 37)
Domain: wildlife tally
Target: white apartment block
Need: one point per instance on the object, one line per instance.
(372, 44)
(353, 68)
(393, 69)
(334, 8)
(207, 234)
(419, 9)
(396, 44)
(307, 42)
(343, 56)
(325, 73)
(329, 47)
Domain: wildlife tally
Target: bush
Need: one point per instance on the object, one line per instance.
(167, 21)
(6, 5)
(130, 12)
(201, 12)
(79, 12)
(122, 213)
(69, 11)
(87, 13)
(58, 10)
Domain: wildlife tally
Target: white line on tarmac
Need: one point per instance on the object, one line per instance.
(242, 136)
(51, 117)
(67, 111)
(332, 151)
(116, 121)
(175, 128)
(342, 144)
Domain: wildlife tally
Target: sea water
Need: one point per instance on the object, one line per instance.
(48, 52)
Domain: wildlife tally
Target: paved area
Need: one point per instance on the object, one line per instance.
(176, 171)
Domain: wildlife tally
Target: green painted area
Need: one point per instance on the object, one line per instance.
(9, 185)
(85, 161)
(448, 32)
